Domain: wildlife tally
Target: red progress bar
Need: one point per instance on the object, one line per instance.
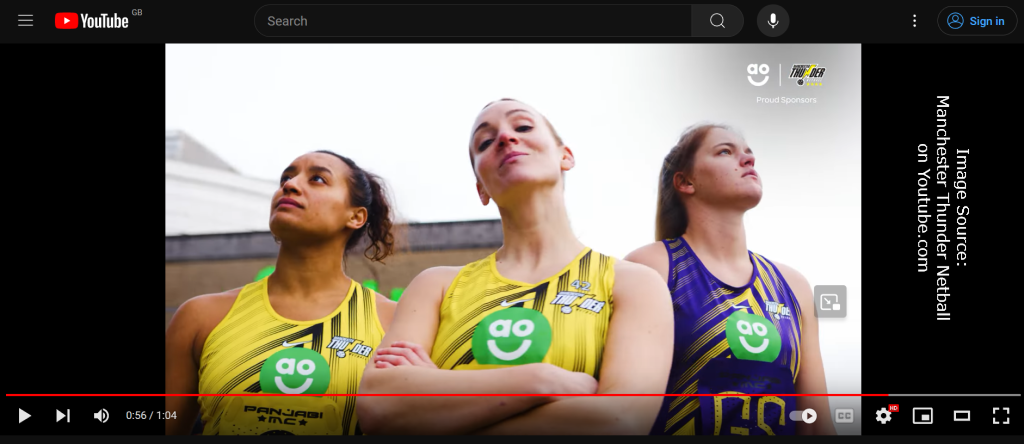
(420, 394)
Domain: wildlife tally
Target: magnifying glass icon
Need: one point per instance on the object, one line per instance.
(721, 21)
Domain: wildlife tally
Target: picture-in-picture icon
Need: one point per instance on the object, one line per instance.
(923, 415)
(830, 301)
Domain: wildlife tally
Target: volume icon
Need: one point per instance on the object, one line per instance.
(101, 416)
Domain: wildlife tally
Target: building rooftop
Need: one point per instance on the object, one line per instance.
(203, 200)
(182, 147)
(203, 194)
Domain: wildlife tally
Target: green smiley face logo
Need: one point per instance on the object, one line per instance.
(752, 337)
(295, 371)
(512, 336)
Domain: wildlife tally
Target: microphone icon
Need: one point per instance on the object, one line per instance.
(773, 21)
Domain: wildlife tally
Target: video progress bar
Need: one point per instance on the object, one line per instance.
(957, 394)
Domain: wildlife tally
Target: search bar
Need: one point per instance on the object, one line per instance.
(481, 21)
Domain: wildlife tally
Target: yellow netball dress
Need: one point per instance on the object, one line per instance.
(489, 321)
(255, 350)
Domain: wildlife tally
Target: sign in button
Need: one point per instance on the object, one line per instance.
(977, 20)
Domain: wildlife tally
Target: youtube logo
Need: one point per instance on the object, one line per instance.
(66, 20)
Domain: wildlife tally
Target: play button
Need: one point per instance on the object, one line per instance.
(66, 20)
(809, 416)
(22, 416)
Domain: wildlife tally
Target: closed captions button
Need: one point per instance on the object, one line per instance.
(977, 21)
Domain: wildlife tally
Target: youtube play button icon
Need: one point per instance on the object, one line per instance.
(66, 20)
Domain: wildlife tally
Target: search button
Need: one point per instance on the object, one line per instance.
(977, 20)
(715, 20)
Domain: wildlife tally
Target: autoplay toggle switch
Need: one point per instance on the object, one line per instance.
(807, 416)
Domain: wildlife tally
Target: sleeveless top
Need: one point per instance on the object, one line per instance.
(489, 321)
(255, 350)
(736, 341)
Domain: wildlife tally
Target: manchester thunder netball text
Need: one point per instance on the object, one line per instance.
(943, 237)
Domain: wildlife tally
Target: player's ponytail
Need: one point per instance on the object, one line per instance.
(369, 191)
(672, 219)
(378, 225)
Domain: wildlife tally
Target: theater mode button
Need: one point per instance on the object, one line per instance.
(977, 21)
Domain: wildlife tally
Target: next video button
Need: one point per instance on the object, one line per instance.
(977, 20)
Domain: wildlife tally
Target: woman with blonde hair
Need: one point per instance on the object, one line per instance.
(544, 315)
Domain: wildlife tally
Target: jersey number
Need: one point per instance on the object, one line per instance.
(581, 286)
(746, 413)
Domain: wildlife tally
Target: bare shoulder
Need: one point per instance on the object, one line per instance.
(197, 317)
(648, 253)
(416, 315)
(200, 315)
(207, 308)
(636, 280)
(652, 255)
(441, 272)
(433, 278)
(383, 303)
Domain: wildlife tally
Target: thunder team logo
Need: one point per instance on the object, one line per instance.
(807, 75)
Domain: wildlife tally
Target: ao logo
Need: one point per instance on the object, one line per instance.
(295, 371)
(752, 337)
(512, 336)
(753, 69)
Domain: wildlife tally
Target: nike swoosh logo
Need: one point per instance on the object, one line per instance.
(739, 306)
(506, 303)
(286, 344)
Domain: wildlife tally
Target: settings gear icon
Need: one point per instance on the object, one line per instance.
(883, 416)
